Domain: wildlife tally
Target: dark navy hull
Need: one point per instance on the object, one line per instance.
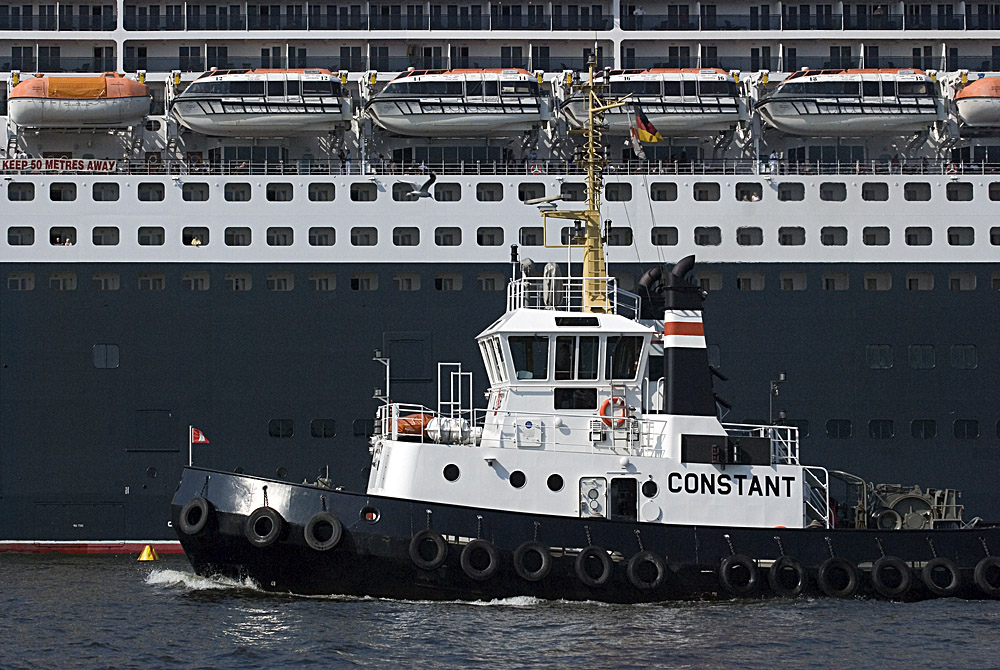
(377, 553)
(88, 453)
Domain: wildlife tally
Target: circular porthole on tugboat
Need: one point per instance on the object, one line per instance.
(281, 473)
(151, 473)
(650, 489)
(517, 479)
(370, 514)
(451, 472)
(554, 482)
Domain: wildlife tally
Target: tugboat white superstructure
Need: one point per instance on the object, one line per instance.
(598, 470)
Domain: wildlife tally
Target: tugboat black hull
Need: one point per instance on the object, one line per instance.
(311, 540)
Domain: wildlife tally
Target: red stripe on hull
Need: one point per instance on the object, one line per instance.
(684, 328)
(123, 547)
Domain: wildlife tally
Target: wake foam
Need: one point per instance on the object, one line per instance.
(193, 582)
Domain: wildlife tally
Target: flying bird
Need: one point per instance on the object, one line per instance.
(424, 191)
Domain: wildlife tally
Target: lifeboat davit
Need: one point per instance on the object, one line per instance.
(109, 100)
(683, 102)
(467, 102)
(241, 103)
(979, 103)
(852, 103)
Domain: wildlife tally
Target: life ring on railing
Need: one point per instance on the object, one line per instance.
(613, 420)
(535, 169)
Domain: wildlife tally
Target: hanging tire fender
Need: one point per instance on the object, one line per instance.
(584, 557)
(440, 549)
(727, 574)
(635, 566)
(544, 557)
(880, 571)
(323, 531)
(775, 577)
(466, 560)
(194, 516)
(826, 572)
(987, 576)
(263, 527)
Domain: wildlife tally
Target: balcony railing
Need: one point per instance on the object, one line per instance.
(59, 64)
(55, 22)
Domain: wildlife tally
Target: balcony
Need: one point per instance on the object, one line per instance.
(56, 23)
(49, 64)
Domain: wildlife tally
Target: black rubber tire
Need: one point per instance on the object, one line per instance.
(775, 577)
(987, 576)
(440, 549)
(954, 577)
(727, 576)
(263, 527)
(584, 557)
(825, 574)
(317, 522)
(879, 575)
(635, 565)
(544, 557)
(480, 574)
(194, 516)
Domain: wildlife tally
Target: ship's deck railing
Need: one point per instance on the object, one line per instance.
(567, 294)
(537, 168)
(784, 440)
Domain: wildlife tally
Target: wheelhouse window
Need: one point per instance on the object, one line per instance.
(530, 355)
(575, 398)
(622, 358)
(576, 357)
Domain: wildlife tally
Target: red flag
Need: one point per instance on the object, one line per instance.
(198, 437)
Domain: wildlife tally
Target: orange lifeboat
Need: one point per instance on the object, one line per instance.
(979, 103)
(109, 100)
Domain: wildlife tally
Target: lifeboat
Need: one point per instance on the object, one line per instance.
(108, 100)
(243, 103)
(979, 103)
(470, 103)
(852, 103)
(681, 102)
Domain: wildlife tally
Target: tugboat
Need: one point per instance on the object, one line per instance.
(598, 470)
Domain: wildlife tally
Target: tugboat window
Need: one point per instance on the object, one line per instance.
(575, 398)
(554, 482)
(517, 479)
(623, 499)
(649, 488)
(530, 355)
(565, 353)
(451, 472)
(622, 358)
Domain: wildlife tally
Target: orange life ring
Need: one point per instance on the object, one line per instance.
(612, 420)
(536, 170)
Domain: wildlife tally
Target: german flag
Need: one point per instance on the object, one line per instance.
(647, 133)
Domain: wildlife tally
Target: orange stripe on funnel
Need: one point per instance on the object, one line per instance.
(682, 328)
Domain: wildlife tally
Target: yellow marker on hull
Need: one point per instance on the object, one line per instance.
(148, 554)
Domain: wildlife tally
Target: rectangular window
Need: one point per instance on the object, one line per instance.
(921, 356)
(880, 429)
(879, 356)
(923, 429)
(106, 356)
(575, 398)
(964, 357)
(966, 429)
(322, 237)
(839, 429)
(622, 356)
(530, 355)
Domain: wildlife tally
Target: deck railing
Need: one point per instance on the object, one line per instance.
(566, 294)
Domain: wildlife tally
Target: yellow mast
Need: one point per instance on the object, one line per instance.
(595, 294)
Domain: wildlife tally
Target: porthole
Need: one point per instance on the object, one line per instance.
(517, 479)
(281, 473)
(151, 473)
(239, 471)
(451, 472)
(370, 514)
(649, 488)
(555, 482)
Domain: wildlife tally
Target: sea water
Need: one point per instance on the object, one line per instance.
(113, 612)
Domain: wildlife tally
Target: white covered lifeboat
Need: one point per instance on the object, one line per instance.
(465, 102)
(108, 100)
(979, 103)
(852, 103)
(267, 102)
(681, 102)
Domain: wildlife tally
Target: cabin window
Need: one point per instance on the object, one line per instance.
(833, 191)
(918, 236)
(63, 236)
(151, 281)
(407, 236)
(835, 281)
(105, 281)
(966, 429)
(490, 281)
(20, 191)
(574, 398)
(151, 236)
(878, 281)
(749, 237)
(321, 236)
(322, 192)
(530, 356)
(962, 281)
(448, 281)
(280, 236)
(280, 428)
(623, 499)
(447, 237)
(708, 281)
(880, 429)
(237, 192)
(791, 192)
(194, 192)
(449, 192)
(919, 281)
(238, 281)
(921, 356)
(875, 236)
(489, 192)
(364, 281)
(961, 236)
(663, 236)
(20, 281)
(994, 190)
(106, 356)
(964, 357)
(958, 191)
(489, 237)
(875, 191)
(749, 281)
(105, 192)
(793, 281)
(62, 281)
(707, 236)
(706, 192)
(364, 236)
(279, 192)
(401, 192)
(618, 192)
(280, 281)
(620, 237)
(833, 236)
(531, 236)
(663, 191)
(622, 356)
(363, 192)
(20, 236)
(194, 236)
(879, 356)
(406, 281)
(923, 429)
(62, 192)
(791, 236)
(151, 192)
(749, 192)
(322, 281)
(995, 236)
(106, 236)
(917, 191)
(195, 281)
(839, 429)
(529, 191)
(238, 236)
(323, 428)
(573, 192)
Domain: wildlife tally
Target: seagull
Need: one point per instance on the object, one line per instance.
(423, 191)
